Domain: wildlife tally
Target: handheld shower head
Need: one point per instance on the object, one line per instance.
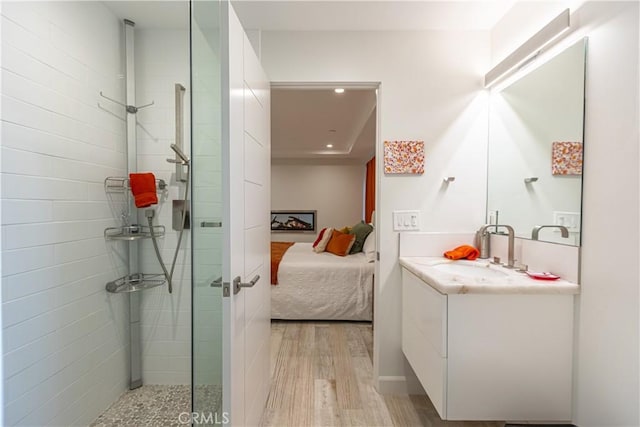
(179, 153)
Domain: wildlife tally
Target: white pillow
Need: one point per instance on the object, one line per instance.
(369, 247)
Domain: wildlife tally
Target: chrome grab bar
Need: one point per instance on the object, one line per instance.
(214, 224)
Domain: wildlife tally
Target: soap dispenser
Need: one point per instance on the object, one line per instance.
(483, 238)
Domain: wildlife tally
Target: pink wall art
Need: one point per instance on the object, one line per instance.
(404, 157)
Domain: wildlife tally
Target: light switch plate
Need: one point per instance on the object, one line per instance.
(571, 220)
(406, 220)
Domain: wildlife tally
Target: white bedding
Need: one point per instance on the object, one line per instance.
(322, 286)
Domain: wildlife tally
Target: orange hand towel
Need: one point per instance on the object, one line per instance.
(461, 252)
(143, 187)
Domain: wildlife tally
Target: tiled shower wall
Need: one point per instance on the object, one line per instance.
(162, 59)
(64, 337)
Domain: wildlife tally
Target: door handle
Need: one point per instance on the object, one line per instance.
(218, 283)
(237, 283)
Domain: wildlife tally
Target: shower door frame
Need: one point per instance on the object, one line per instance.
(245, 167)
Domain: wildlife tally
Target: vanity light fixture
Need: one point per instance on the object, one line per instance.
(529, 50)
(530, 179)
(338, 90)
(329, 145)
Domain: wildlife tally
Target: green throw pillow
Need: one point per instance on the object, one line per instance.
(361, 231)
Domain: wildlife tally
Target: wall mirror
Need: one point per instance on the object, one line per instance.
(535, 148)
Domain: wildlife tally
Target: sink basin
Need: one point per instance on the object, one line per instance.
(469, 270)
(478, 277)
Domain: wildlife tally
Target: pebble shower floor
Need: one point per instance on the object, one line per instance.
(155, 405)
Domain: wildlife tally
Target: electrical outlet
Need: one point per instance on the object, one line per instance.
(406, 220)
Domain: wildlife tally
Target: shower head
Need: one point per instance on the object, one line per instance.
(179, 153)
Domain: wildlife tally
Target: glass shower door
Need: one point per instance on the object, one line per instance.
(207, 314)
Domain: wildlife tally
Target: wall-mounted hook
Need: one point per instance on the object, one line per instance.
(106, 110)
(448, 179)
(130, 108)
(530, 179)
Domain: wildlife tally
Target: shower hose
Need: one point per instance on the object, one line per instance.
(149, 213)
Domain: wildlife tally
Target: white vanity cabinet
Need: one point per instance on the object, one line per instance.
(490, 356)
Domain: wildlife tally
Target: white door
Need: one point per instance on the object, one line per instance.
(231, 206)
(246, 167)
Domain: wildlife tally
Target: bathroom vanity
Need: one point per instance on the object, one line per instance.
(486, 342)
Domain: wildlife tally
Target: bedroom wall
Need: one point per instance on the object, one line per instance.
(335, 191)
(430, 89)
(607, 377)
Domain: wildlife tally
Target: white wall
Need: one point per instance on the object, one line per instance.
(161, 60)
(431, 89)
(64, 337)
(607, 376)
(335, 191)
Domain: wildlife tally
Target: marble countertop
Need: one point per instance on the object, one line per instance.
(499, 280)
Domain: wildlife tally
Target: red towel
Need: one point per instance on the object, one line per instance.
(464, 251)
(143, 187)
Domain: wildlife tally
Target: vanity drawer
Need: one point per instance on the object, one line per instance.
(429, 367)
(424, 335)
(424, 310)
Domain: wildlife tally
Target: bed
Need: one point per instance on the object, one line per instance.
(322, 286)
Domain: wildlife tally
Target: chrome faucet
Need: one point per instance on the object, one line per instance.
(511, 235)
(563, 230)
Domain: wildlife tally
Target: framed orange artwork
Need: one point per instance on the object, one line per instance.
(404, 157)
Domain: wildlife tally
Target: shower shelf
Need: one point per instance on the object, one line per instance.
(116, 184)
(133, 232)
(135, 282)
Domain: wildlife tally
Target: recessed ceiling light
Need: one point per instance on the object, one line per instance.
(329, 145)
(338, 90)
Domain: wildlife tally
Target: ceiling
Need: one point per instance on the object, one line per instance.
(304, 121)
(366, 15)
(327, 15)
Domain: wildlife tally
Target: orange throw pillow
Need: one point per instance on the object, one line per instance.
(340, 243)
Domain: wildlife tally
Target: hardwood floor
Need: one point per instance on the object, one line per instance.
(322, 376)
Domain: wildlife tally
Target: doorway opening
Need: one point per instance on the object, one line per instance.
(324, 139)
